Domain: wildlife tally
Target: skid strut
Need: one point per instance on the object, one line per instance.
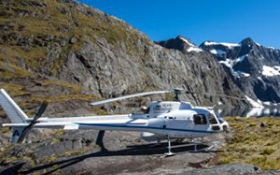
(99, 140)
(169, 147)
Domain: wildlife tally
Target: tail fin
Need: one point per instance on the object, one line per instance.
(15, 114)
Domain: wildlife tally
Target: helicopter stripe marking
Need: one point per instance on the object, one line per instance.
(145, 127)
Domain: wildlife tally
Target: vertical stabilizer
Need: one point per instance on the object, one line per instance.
(13, 111)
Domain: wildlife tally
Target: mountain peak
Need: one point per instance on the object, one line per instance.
(247, 41)
(184, 40)
(178, 43)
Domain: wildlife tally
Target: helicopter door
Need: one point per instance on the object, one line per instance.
(170, 122)
(200, 121)
(174, 123)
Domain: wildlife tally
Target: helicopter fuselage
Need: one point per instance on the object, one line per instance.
(176, 119)
(172, 119)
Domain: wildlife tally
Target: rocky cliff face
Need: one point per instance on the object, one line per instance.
(253, 67)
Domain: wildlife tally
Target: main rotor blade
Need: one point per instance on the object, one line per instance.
(217, 95)
(129, 96)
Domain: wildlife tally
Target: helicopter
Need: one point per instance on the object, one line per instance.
(162, 120)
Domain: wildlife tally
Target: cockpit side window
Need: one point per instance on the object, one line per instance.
(199, 119)
(212, 119)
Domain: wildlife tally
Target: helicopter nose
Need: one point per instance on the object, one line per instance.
(220, 128)
(225, 128)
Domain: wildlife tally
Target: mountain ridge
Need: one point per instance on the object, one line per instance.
(240, 61)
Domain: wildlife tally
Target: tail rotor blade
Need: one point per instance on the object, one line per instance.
(26, 130)
(24, 133)
(41, 110)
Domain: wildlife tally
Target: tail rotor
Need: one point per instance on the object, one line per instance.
(27, 129)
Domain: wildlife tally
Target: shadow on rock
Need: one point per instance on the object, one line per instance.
(12, 170)
(134, 150)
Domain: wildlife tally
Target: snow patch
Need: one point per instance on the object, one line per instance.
(254, 103)
(242, 73)
(255, 112)
(230, 45)
(267, 103)
(228, 62)
(240, 59)
(270, 71)
(194, 49)
(270, 48)
(217, 52)
(260, 78)
(187, 41)
(261, 58)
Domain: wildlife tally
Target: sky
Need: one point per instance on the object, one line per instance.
(199, 20)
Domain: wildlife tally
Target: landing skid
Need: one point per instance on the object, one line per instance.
(191, 146)
(213, 146)
(194, 143)
(169, 154)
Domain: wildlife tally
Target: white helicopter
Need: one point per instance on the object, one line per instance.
(162, 120)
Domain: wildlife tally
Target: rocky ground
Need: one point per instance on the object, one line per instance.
(76, 153)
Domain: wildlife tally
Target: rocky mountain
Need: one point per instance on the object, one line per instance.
(68, 54)
(254, 68)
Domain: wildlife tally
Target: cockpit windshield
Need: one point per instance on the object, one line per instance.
(220, 118)
(212, 119)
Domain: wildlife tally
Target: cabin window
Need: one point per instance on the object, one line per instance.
(212, 119)
(199, 119)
